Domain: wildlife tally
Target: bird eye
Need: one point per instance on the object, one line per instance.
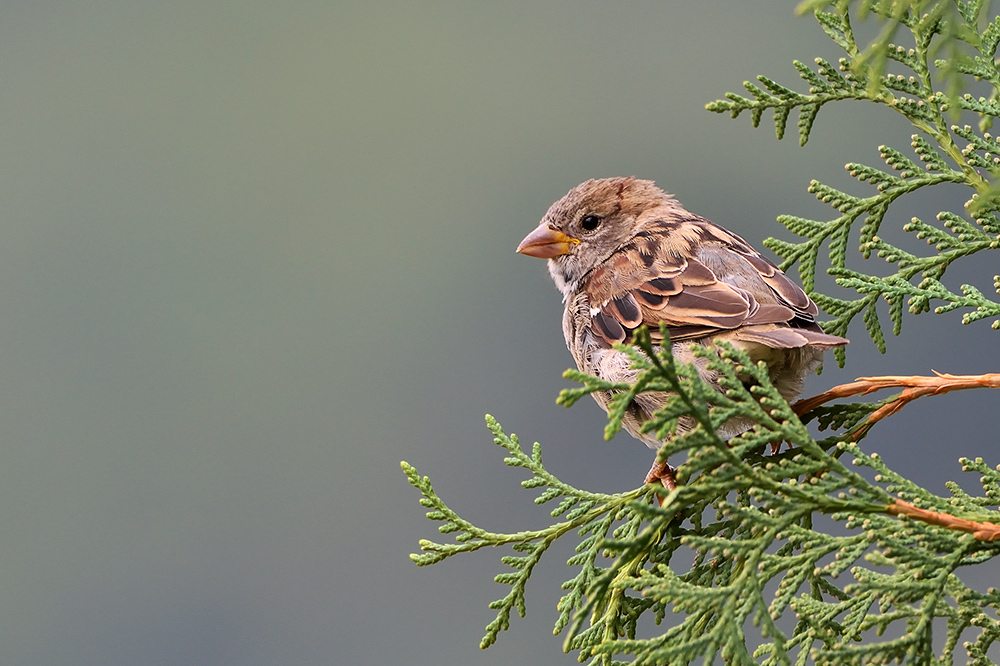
(590, 222)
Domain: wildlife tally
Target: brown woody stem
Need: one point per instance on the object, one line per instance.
(913, 387)
(981, 531)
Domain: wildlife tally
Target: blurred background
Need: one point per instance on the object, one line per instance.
(252, 255)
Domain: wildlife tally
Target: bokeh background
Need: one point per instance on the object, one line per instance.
(254, 254)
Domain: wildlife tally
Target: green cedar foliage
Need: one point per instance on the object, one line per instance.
(927, 91)
(799, 552)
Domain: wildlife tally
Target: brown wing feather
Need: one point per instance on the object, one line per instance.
(697, 290)
(626, 310)
(787, 292)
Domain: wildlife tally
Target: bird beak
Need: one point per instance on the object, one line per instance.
(546, 243)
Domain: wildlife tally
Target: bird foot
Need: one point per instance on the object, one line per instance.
(664, 473)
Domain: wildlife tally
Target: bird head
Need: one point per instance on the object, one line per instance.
(586, 226)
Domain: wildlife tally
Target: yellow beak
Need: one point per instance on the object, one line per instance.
(546, 243)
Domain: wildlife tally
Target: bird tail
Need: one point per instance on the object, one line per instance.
(783, 337)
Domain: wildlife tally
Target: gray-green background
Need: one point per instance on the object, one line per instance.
(252, 255)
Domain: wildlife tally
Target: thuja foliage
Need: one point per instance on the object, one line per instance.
(875, 590)
(776, 547)
(927, 91)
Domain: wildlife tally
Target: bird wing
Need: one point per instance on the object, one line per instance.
(698, 279)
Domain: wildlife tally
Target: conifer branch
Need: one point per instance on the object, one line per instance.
(927, 95)
(761, 533)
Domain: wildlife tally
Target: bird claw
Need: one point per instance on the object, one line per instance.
(664, 473)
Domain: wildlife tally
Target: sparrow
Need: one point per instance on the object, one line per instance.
(626, 254)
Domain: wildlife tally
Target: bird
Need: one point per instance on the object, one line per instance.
(626, 254)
